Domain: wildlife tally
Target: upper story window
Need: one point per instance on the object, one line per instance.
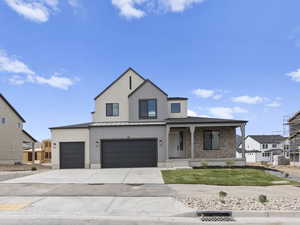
(20, 125)
(130, 83)
(112, 109)
(274, 145)
(148, 109)
(211, 140)
(3, 120)
(265, 146)
(175, 107)
(286, 147)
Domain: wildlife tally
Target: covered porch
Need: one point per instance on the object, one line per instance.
(198, 142)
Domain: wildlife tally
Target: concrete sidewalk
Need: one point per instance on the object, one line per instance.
(92, 206)
(92, 176)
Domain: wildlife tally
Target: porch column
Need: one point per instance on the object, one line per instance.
(192, 130)
(167, 141)
(243, 131)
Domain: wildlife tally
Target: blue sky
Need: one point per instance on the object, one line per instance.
(233, 59)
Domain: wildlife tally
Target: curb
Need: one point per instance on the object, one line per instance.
(247, 214)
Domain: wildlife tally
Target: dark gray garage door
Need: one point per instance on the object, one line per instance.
(71, 155)
(129, 153)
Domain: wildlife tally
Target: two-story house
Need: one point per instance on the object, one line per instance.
(136, 124)
(12, 136)
(294, 124)
(262, 148)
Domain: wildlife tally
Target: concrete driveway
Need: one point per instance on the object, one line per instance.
(95, 176)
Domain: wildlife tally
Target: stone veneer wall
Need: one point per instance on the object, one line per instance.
(227, 144)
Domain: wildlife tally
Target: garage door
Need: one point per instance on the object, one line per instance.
(71, 155)
(129, 153)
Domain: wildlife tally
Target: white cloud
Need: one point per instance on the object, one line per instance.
(139, 8)
(274, 104)
(226, 112)
(34, 10)
(248, 99)
(179, 5)
(15, 66)
(128, 8)
(207, 93)
(192, 113)
(295, 75)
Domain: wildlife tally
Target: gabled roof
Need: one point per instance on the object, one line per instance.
(145, 82)
(191, 120)
(129, 69)
(294, 116)
(28, 135)
(268, 139)
(12, 108)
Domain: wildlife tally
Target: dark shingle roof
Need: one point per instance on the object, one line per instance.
(177, 98)
(73, 126)
(13, 109)
(28, 135)
(201, 120)
(268, 139)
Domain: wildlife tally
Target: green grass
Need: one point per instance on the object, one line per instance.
(225, 177)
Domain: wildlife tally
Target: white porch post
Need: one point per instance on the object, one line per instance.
(192, 130)
(243, 131)
(167, 141)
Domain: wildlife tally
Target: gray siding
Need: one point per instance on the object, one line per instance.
(134, 132)
(148, 91)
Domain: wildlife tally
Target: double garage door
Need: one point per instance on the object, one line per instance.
(114, 154)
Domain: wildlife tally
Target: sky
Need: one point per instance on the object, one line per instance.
(233, 59)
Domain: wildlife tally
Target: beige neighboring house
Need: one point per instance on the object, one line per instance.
(12, 135)
(136, 124)
(42, 153)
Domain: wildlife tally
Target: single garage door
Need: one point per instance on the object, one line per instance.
(71, 155)
(129, 153)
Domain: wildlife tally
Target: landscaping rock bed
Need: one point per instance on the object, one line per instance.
(247, 204)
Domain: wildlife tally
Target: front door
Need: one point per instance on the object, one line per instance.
(176, 147)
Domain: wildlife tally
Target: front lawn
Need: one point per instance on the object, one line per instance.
(225, 177)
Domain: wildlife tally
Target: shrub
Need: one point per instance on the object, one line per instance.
(262, 199)
(286, 175)
(33, 168)
(230, 163)
(222, 194)
(204, 164)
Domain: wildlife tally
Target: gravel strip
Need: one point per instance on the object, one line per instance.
(252, 204)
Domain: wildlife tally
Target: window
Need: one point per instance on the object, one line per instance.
(3, 120)
(175, 107)
(274, 145)
(211, 140)
(265, 146)
(20, 125)
(112, 109)
(286, 147)
(266, 154)
(130, 83)
(148, 109)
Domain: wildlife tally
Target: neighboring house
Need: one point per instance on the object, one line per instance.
(294, 123)
(262, 148)
(12, 136)
(136, 124)
(42, 153)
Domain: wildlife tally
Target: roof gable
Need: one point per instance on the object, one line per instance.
(145, 82)
(12, 108)
(115, 81)
(294, 116)
(29, 136)
(267, 139)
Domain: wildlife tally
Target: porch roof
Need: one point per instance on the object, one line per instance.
(201, 120)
